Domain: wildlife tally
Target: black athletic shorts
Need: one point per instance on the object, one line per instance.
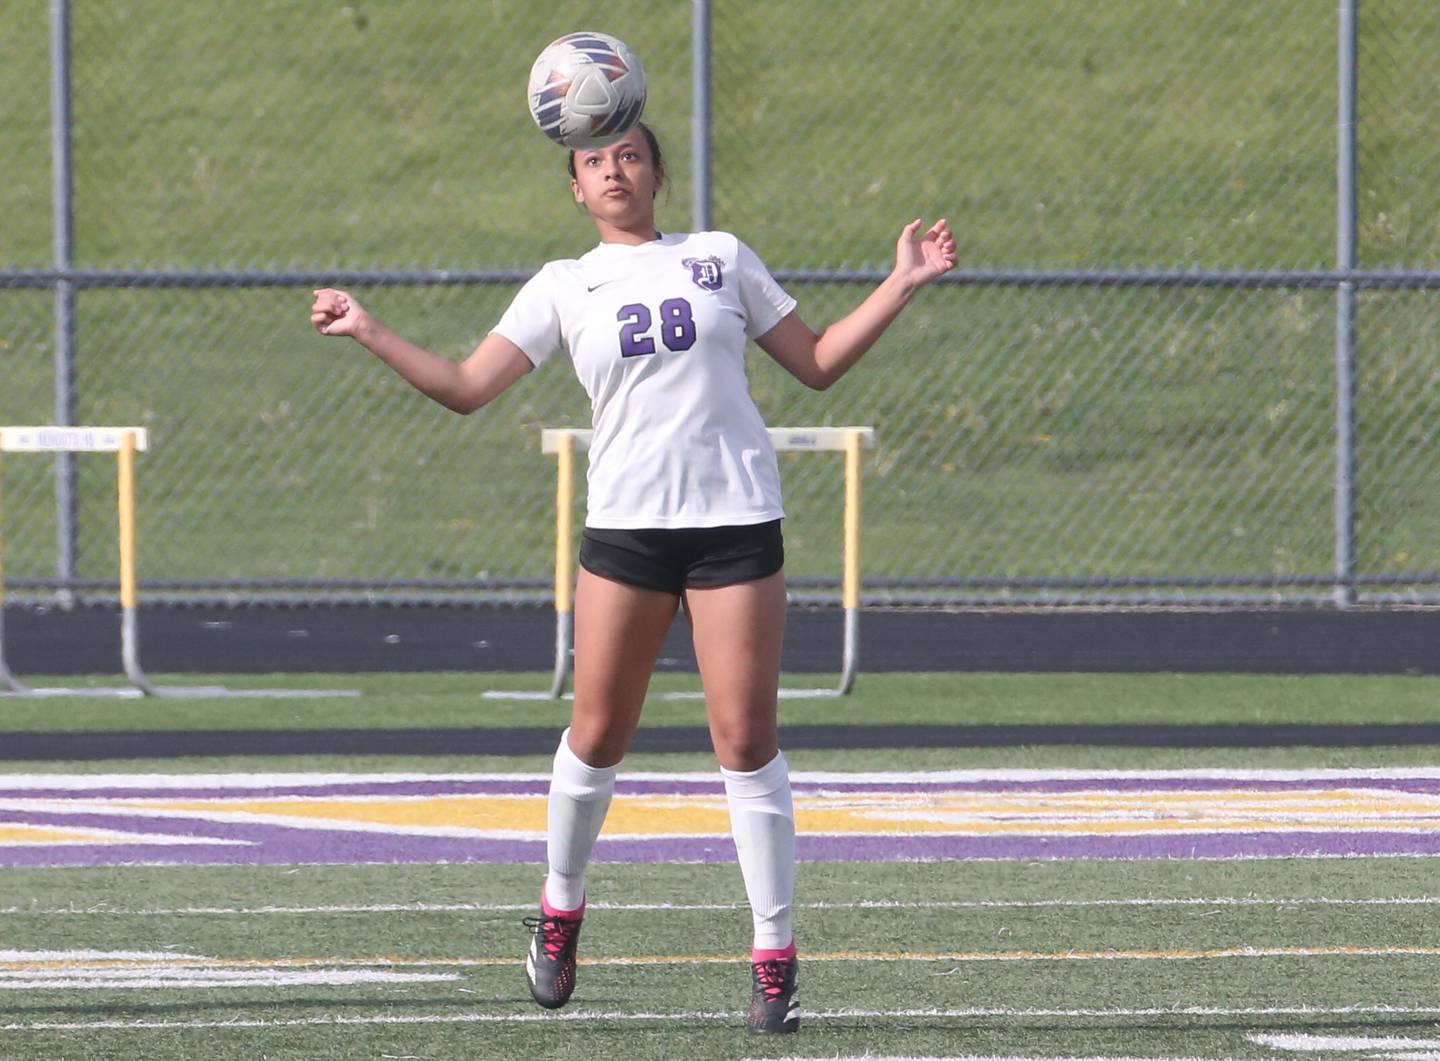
(669, 560)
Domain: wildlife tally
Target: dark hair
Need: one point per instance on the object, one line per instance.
(656, 155)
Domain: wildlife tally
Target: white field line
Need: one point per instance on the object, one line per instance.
(71, 957)
(866, 904)
(243, 782)
(1320, 1043)
(589, 1016)
(28, 965)
(30, 970)
(989, 1057)
(149, 978)
(1304, 856)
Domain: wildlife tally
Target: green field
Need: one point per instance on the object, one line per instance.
(987, 959)
(1022, 431)
(402, 702)
(962, 1006)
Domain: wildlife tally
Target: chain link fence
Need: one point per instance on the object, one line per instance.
(1129, 393)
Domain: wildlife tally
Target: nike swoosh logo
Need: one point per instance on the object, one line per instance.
(597, 287)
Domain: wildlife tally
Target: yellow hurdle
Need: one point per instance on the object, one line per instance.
(52, 439)
(129, 566)
(564, 442)
(125, 471)
(124, 442)
(850, 590)
(564, 563)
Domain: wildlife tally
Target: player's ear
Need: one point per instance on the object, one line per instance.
(659, 180)
(576, 192)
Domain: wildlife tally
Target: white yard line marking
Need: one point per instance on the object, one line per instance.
(1186, 954)
(989, 1057)
(27, 963)
(866, 904)
(1319, 1043)
(153, 978)
(587, 1016)
(75, 957)
(1229, 859)
(59, 970)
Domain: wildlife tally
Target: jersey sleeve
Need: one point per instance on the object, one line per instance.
(764, 300)
(532, 321)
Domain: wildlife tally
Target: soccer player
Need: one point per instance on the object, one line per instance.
(684, 510)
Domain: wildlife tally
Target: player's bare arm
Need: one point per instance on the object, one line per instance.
(820, 360)
(462, 387)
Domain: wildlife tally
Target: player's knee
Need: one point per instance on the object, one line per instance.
(599, 746)
(744, 746)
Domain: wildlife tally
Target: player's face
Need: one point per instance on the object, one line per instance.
(617, 184)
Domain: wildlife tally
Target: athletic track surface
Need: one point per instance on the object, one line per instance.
(361, 638)
(388, 638)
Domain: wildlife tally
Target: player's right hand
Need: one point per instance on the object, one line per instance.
(336, 313)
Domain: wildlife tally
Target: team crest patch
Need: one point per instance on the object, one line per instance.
(706, 272)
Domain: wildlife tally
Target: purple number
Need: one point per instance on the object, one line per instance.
(633, 340)
(677, 324)
(677, 327)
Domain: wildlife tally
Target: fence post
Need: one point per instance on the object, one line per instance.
(62, 210)
(700, 114)
(1345, 261)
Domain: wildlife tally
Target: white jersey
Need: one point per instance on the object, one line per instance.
(657, 335)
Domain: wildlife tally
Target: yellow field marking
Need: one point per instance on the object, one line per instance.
(872, 813)
(12, 833)
(1174, 954)
(22, 834)
(483, 813)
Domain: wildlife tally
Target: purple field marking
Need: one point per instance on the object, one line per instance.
(316, 849)
(532, 787)
(1170, 846)
(274, 844)
(323, 847)
(266, 844)
(311, 791)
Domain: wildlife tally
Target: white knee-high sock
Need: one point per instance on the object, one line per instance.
(579, 797)
(762, 820)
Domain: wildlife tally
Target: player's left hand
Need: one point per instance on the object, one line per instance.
(920, 259)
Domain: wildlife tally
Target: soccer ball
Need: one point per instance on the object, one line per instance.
(586, 89)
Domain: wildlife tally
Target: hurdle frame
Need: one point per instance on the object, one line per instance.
(565, 442)
(124, 442)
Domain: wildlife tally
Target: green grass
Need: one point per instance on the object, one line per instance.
(977, 994)
(127, 910)
(1022, 432)
(437, 700)
(1212, 144)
